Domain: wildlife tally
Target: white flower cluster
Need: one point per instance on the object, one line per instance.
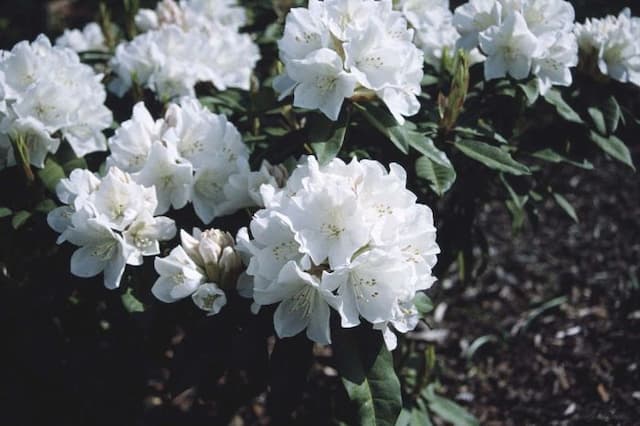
(189, 43)
(436, 35)
(521, 37)
(334, 47)
(46, 93)
(192, 155)
(346, 236)
(614, 44)
(111, 219)
(206, 15)
(90, 38)
(202, 267)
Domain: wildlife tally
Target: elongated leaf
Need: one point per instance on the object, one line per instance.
(530, 91)
(598, 120)
(447, 409)
(327, 137)
(440, 177)
(426, 147)
(20, 218)
(566, 206)
(76, 163)
(5, 212)
(614, 147)
(553, 157)
(384, 122)
(492, 157)
(45, 206)
(612, 114)
(554, 98)
(366, 369)
(51, 174)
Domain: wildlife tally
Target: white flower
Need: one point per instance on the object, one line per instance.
(41, 105)
(145, 234)
(510, 48)
(209, 297)
(190, 154)
(304, 304)
(346, 236)
(88, 39)
(179, 276)
(323, 83)
(172, 179)
(474, 17)
(100, 250)
(203, 266)
(186, 43)
(552, 67)
(111, 219)
(131, 143)
(332, 48)
(612, 42)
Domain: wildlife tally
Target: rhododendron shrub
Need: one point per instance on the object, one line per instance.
(297, 176)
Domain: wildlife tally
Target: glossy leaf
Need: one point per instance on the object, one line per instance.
(440, 177)
(448, 410)
(614, 147)
(366, 370)
(554, 98)
(492, 157)
(327, 137)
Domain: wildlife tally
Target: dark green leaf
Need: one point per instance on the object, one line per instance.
(492, 157)
(420, 418)
(327, 137)
(612, 113)
(614, 147)
(51, 174)
(45, 206)
(76, 163)
(441, 178)
(5, 212)
(20, 218)
(598, 120)
(553, 157)
(131, 303)
(384, 122)
(448, 410)
(530, 90)
(366, 369)
(554, 97)
(426, 147)
(566, 206)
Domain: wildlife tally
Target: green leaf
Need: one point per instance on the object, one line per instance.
(598, 120)
(426, 147)
(566, 206)
(45, 206)
(553, 157)
(384, 122)
(366, 369)
(131, 303)
(423, 303)
(492, 157)
(76, 163)
(441, 178)
(20, 218)
(612, 113)
(554, 97)
(530, 90)
(614, 147)
(51, 174)
(5, 212)
(327, 137)
(419, 417)
(448, 410)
